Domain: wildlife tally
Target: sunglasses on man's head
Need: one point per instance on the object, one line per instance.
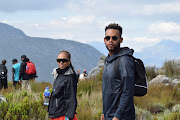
(62, 60)
(107, 38)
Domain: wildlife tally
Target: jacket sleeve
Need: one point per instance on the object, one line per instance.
(22, 70)
(13, 71)
(126, 105)
(70, 98)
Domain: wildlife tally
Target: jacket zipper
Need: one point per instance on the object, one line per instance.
(56, 103)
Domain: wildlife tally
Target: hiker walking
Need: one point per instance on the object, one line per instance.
(3, 75)
(63, 102)
(117, 92)
(15, 73)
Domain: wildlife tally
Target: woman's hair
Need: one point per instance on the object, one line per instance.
(69, 58)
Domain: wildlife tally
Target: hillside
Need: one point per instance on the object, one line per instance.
(43, 51)
(157, 54)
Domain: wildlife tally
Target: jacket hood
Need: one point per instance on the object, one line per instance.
(66, 71)
(122, 51)
(69, 72)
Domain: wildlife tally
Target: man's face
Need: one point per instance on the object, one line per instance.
(112, 39)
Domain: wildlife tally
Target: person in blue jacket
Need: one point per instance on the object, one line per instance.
(117, 91)
(15, 73)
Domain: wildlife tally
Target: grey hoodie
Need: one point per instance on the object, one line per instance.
(118, 93)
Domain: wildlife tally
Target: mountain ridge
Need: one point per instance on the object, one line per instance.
(43, 52)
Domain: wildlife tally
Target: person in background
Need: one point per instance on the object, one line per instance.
(117, 92)
(31, 75)
(78, 73)
(83, 76)
(15, 73)
(63, 102)
(3, 75)
(23, 76)
(54, 73)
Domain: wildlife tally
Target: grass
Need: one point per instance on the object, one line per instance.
(158, 104)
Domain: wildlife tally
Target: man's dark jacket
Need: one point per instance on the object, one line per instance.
(3, 82)
(118, 93)
(63, 100)
(22, 74)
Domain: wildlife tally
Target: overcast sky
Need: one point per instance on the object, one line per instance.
(144, 22)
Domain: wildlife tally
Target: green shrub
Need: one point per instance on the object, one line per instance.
(142, 114)
(157, 108)
(171, 69)
(151, 72)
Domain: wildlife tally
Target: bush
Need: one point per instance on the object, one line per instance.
(151, 72)
(171, 69)
(23, 106)
(142, 114)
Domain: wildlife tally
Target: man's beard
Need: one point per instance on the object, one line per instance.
(115, 48)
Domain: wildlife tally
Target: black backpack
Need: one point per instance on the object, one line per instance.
(140, 80)
(2, 72)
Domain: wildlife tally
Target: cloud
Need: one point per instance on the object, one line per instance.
(79, 28)
(139, 43)
(18, 5)
(162, 8)
(165, 30)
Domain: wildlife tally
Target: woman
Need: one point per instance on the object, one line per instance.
(63, 102)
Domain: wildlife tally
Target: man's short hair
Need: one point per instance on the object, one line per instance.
(4, 61)
(23, 56)
(114, 26)
(14, 60)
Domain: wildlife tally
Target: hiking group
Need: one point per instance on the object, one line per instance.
(23, 74)
(124, 77)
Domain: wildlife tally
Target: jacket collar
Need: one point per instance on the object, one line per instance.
(122, 51)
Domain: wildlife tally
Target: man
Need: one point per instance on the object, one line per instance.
(23, 76)
(15, 73)
(3, 75)
(117, 91)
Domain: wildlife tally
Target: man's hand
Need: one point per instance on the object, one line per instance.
(102, 117)
(114, 118)
(20, 81)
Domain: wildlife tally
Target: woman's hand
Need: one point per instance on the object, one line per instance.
(102, 117)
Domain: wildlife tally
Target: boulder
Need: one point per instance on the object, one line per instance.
(176, 82)
(176, 108)
(97, 69)
(2, 98)
(160, 79)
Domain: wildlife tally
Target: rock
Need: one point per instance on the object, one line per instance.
(160, 79)
(97, 69)
(2, 98)
(175, 82)
(176, 108)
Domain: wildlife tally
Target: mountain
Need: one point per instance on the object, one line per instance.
(43, 52)
(159, 53)
(99, 46)
(151, 56)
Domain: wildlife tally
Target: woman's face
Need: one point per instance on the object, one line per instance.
(63, 61)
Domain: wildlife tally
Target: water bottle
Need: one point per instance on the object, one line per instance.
(46, 95)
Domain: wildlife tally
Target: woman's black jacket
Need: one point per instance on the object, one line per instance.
(63, 100)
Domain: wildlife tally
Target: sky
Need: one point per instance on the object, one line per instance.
(144, 22)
